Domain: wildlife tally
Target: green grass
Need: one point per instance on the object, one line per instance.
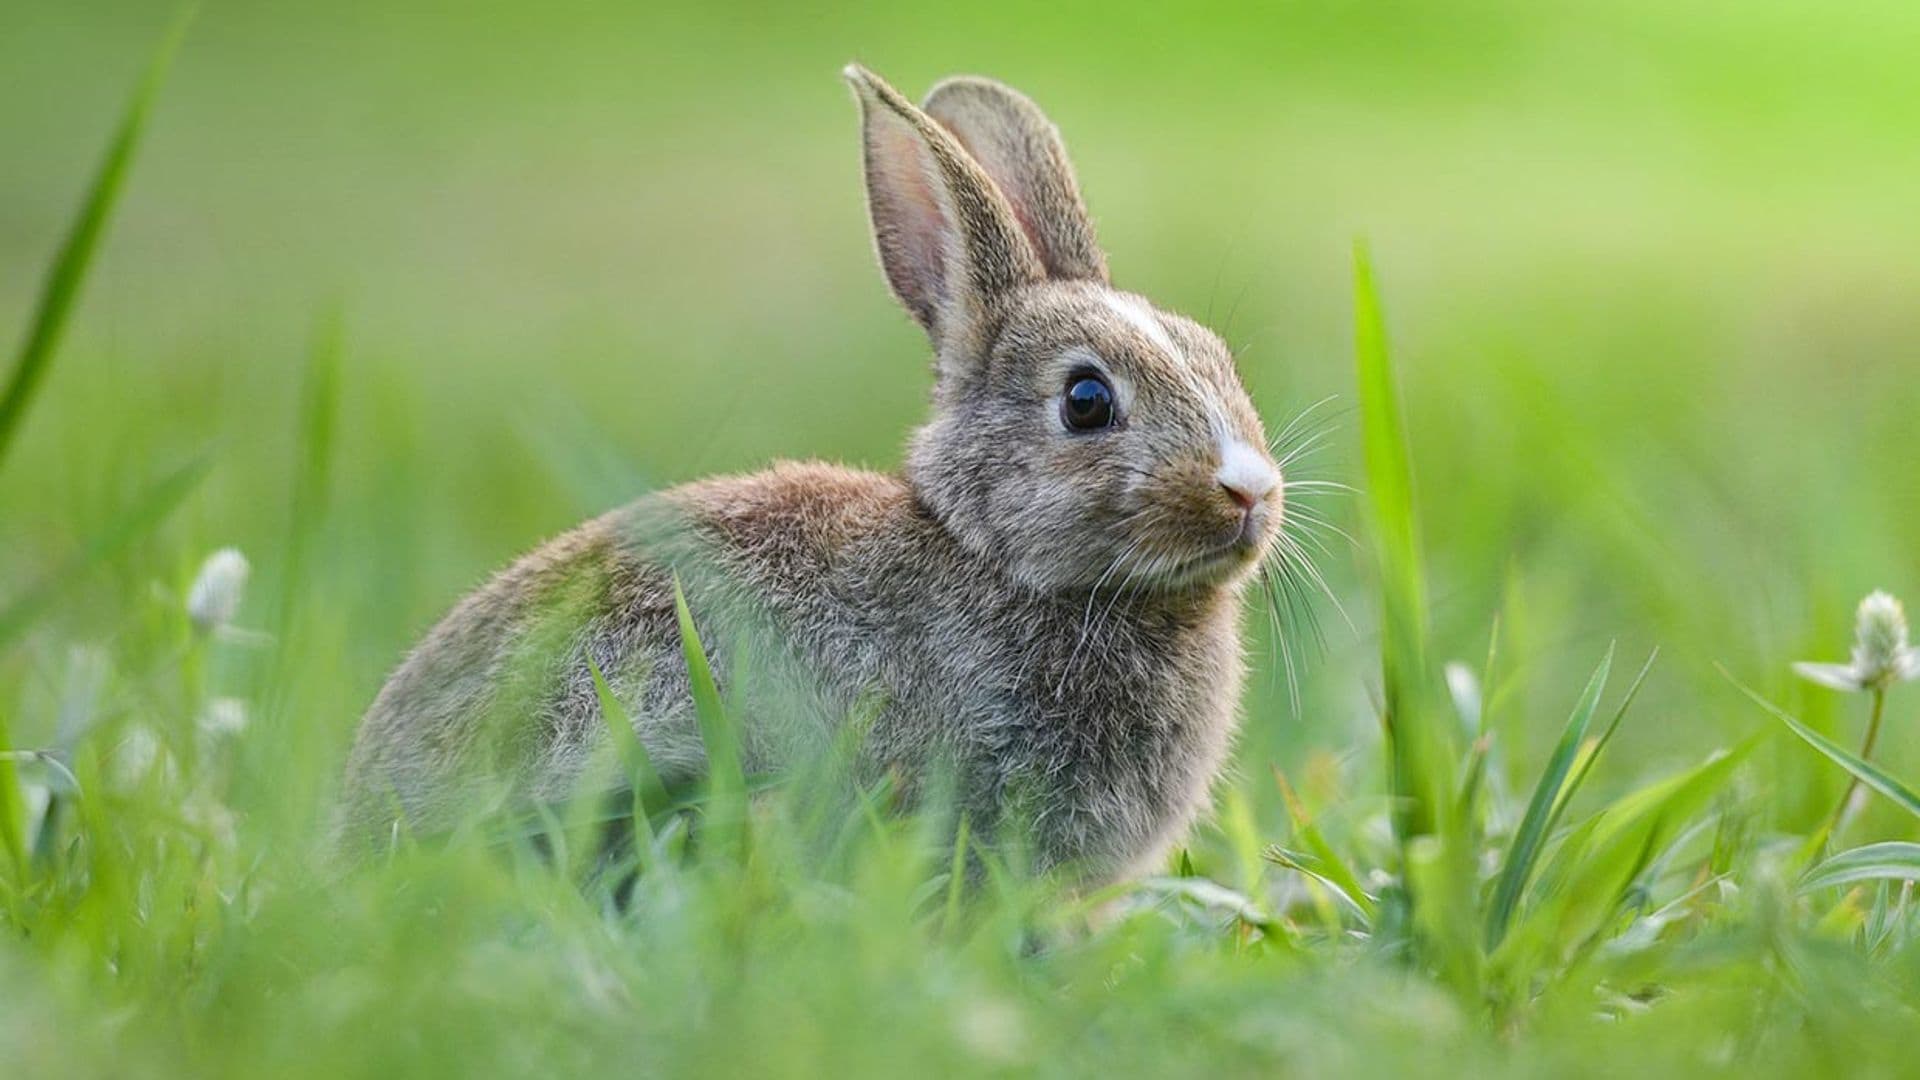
(394, 294)
(62, 287)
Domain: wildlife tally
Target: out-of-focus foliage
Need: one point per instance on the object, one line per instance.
(397, 289)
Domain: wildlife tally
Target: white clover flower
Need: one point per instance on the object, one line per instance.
(1881, 655)
(223, 716)
(217, 588)
(137, 754)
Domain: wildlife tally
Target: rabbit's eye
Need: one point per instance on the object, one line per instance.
(1088, 404)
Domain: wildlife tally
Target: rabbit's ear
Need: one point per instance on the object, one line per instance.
(947, 238)
(1021, 150)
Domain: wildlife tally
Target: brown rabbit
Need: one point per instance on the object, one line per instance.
(1043, 605)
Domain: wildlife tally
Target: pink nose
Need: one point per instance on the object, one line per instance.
(1245, 474)
(1246, 497)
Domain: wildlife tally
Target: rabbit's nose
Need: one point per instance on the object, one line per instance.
(1245, 475)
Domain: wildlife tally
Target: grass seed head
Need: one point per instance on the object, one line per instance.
(1880, 650)
(1881, 653)
(217, 590)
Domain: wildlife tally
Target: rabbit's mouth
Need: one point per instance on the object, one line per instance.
(1220, 564)
(1249, 539)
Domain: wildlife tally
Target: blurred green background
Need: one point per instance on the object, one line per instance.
(1650, 269)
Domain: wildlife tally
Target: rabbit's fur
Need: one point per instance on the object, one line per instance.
(1047, 618)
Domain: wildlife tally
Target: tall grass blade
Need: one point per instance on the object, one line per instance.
(1543, 808)
(1613, 725)
(13, 813)
(319, 413)
(1415, 752)
(1892, 860)
(643, 780)
(956, 878)
(1389, 466)
(146, 513)
(726, 810)
(1349, 895)
(1601, 858)
(61, 289)
(1327, 861)
(1865, 771)
(277, 687)
(1443, 911)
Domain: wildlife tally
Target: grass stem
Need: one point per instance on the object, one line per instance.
(1838, 817)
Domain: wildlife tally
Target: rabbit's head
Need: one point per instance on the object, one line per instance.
(1080, 435)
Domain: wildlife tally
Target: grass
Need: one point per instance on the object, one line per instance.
(62, 287)
(1465, 850)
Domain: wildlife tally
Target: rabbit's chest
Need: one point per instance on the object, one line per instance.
(1115, 745)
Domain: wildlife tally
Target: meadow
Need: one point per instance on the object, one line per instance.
(1611, 307)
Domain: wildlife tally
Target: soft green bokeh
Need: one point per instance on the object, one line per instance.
(1650, 273)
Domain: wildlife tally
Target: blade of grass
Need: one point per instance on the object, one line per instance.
(1865, 771)
(956, 879)
(1887, 915)
(276, 683)
(1524, 850)
(1443, 911)
(319, 410)
(1493, 810)
(1389, 469)
(68, 273)
(1613, 725)
(1415, 752)
(1601, 858)
(13, 814)
(147, 512)
(1470, 702)
(649, 792)
(726, 783)
(1209, 895)
(1891, 860)
(1328, 862)
(1473, 777)
(1353, 899)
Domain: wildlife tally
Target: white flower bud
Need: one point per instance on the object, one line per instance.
(1880, 640)
(1881, 655)
(217, 589)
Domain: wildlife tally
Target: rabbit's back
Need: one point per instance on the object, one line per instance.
(829, 593)
(497, 703)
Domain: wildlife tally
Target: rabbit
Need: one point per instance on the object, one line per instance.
(1043, 605)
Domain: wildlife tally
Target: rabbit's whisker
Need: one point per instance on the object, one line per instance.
(1320, 485)
(1281, 644)
(1306, 449)
(1086, 619)
(1305, 565)
(1299, 604)
(1312, 524)
(1299, 424)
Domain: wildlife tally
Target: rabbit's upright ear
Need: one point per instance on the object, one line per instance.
(948, 240)
(1021, 150)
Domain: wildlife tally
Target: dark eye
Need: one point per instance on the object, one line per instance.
(1088, 405)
